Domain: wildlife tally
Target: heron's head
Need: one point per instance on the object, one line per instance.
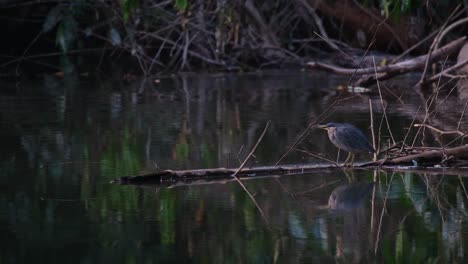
(328, 126)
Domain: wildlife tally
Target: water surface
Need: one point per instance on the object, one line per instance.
(65, 139)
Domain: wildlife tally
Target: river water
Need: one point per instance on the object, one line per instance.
(64, 140)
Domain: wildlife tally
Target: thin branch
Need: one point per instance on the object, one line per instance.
(383, 106)
(242, 166)
(372, 130)
(253, 149)
(461, 116)
(318, 156)
(434, 45)
(442, 132)
(396, 59)
(442, 73)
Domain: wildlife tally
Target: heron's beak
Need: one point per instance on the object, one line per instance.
(322, 126)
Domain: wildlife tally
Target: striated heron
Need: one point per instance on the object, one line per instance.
(348, 138)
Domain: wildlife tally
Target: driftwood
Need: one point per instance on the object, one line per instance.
(413, 162)
(371, 74)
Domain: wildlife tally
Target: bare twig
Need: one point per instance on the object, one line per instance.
(434, 44)
(463, 185)
(238, 154)
(407, 132)
(461, 116)
(449, 28)
(318, 156)
(253, 150)
(396, 59)
(442, 73)
(384, 107)
(442, 132)
(318, 23)
(372, 130)
(243, 164)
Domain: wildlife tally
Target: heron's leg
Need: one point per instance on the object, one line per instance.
(349, 155)
(338, 156)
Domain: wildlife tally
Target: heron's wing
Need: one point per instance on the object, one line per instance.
(353, 140)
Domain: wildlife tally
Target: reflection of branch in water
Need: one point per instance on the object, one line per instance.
(316, 188)
(382, 214)
(463, 185)
(285, 189)
(433, 193)
(373, 204)
(242, 166)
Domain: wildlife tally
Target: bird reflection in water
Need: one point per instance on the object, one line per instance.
(349, 196)
(350, 221)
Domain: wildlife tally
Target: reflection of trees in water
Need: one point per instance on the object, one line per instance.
(205, 127)
(204, 120)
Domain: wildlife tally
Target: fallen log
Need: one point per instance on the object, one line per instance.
(430, 159)
(171, 176)
(461, 172)
(371, 74)
(223, 175)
